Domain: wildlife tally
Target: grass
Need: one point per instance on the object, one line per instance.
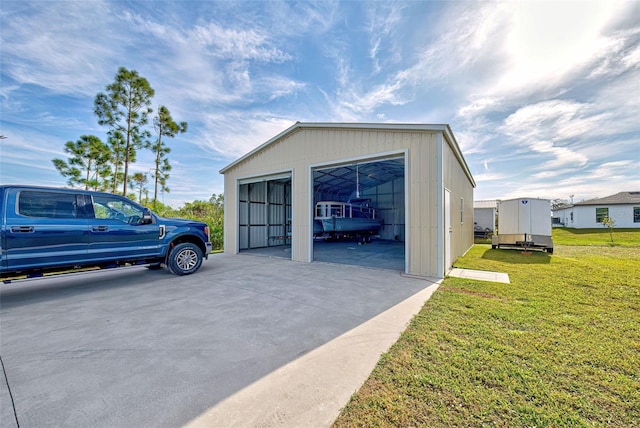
(559, 346)
(598, 237)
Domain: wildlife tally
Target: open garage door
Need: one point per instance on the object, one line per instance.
(359, 213)
(265, 215)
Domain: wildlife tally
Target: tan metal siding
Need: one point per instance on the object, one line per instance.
(306, 147)
(422, 205)
(457, 182)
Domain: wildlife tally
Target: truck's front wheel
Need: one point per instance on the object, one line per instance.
(184, 259)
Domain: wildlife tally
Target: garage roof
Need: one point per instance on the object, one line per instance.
(344, 179)
(445, 129)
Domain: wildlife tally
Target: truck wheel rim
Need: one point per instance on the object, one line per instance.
(187, 259)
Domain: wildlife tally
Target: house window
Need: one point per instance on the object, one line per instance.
(636, 214)
(601, 213)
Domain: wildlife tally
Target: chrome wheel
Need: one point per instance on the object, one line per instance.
(185, 258)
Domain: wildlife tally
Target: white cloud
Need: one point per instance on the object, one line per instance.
(232, 134)
(44, 47)
(553, 119)
(385, 18)
(489, 176)
(231, 43)
(546, 40)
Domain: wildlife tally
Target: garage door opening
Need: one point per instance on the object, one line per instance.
(264, 221)
(359, 213)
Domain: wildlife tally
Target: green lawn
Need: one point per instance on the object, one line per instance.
(559, 346)
(599, 237)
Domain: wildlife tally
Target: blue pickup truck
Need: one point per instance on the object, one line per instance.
(45, 230)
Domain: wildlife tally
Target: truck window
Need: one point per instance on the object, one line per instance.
(115, 208)
(47, 204)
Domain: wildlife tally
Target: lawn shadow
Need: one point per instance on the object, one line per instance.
(516, 256)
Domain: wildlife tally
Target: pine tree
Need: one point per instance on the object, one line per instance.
(124, 108)
(164, 126)
(88, 164)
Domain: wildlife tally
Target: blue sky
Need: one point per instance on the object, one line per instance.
(542, 96)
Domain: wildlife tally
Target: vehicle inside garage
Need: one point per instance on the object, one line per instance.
(375, 186)
(359, 213)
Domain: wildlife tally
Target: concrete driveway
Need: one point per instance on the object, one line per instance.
(144, 348)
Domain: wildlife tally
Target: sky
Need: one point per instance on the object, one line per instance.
(543, 97)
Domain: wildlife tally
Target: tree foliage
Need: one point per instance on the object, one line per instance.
(88, 164)
(164, 126)
(210, 212)
(116, 143)
(558, 203)
(124, 108)
(139, 180)
(609, 223)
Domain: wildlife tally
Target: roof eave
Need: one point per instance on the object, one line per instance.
(444, 128)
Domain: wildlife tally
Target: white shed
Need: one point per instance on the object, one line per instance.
(484, 216)
(623, 208)
(413, 174)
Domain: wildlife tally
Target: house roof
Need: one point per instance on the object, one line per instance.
(444, 128)
(622, 198)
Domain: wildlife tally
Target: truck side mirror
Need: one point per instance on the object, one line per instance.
(146, 216)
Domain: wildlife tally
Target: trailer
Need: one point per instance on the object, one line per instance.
(524, 223)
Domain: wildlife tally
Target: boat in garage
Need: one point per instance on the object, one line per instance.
(346, 219)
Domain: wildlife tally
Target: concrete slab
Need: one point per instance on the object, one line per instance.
(146, 348)
(480, 275)
(380, 254)
(311, 391)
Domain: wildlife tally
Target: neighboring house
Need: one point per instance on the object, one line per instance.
(484, 216)
(414, 174)
(623, 208)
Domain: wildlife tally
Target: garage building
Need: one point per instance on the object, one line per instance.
(414, 175)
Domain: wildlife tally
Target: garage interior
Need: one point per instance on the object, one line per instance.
(265, 214)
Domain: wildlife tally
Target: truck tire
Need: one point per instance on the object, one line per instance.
(184, 259)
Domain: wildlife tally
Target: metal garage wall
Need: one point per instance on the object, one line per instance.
(264, 213)
(388, 199)
(461, 218)
(279, 212)
(298, 150)
(304, 146)
(424, 204)
(253, 215)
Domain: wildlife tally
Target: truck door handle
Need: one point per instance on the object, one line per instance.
(22, 229)
(100, 228)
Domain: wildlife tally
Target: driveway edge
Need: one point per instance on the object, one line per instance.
(312, 390)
